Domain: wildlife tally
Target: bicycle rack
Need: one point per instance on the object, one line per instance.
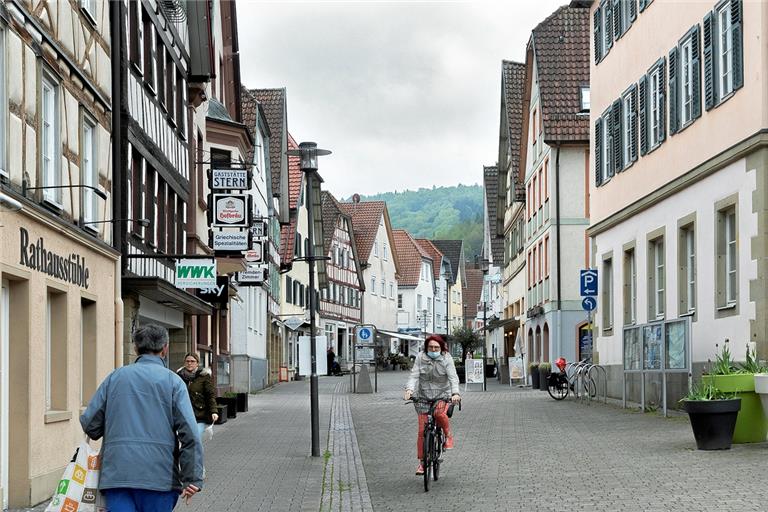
(580, 373)
(600, 370)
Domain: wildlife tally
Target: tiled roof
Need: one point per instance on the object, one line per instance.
(473, 291)
(434, 253)
(451, 249)
(331, 212)
(218, 111)
(250, 109)
(295, 178)
(366, 216)
(410, 257)
(513, 93)
(288, 231)
(273, 103)
(561, 48)
(491, 181)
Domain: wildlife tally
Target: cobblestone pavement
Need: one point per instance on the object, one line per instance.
(517, 449)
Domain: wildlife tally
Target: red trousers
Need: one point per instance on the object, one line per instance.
(442, 420)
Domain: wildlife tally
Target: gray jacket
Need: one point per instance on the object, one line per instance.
(150, 434)
(433, 378)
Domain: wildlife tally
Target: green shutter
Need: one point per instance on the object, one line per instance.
(617, 32)
(633, 123)
(597, 34)
(674, 90)
(632, 10)
(738, 42)
(662, 101)
(642, 5)
(696, 74)
(708, 43)
(616, 130)
(608, 7)
(642, 112)
(608, 141)
(598, 152)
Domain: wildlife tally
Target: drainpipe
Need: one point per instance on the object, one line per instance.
(115, 17)
(557, 236)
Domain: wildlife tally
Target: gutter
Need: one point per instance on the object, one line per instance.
(557, 214)
(115, 17)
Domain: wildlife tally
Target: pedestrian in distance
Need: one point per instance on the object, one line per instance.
(433, 377)
(202, 394)
(330, 357)
(151, 454)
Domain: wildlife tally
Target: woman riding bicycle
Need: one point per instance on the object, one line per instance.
(433, 377)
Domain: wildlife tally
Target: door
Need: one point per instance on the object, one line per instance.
(4, 342)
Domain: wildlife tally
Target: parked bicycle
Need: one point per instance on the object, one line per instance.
(559, 384)
(434, 439)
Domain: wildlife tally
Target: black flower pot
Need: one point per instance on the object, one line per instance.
(462, 374)
(713, 422)
(544, 379)
(230, 403)
(221, 410)
(242, 402)
(534, 378)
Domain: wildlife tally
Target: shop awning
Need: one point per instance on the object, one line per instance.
(163, 292)
(507, 322)
(400, 335)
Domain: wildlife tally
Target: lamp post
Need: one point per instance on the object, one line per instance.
(308, 153)
(484, 266)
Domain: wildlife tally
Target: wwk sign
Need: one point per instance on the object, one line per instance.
(194, 273)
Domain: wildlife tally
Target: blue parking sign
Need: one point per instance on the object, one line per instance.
(588, 283)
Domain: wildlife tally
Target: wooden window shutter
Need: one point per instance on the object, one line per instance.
(696, 74)
(617, 28)
(674, 90)
(632, 10)
(710, 84)
(642, 112)
(737, 42)
(608, 25)
(616, 129)
(597, 38)
(662, 101)
(598, 152)
(633, 121)
(643, 4)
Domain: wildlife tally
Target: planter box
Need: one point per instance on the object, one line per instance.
(544, 379)
(535, 378)
(230, 404)
(713, 422)
(242, 402)
(222, 412)
(761, 388)
(751, 424)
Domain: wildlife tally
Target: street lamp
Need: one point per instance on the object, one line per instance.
(484, 263)
(308, 153)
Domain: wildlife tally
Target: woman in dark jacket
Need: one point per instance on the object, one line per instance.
(201, 391)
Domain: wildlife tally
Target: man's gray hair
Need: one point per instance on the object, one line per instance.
(150, 339)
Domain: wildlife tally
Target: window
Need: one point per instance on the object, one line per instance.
(181, 111)
(56, 351)
(88, 350)
(160, 70)
(723, 52)
(607, 295)
(399, 301)
(383, 287)
(288, 290)
(89, 7)
(656, 272)
(376, 248)
(89, 170)
(688, 269)
(606, 139)
(391, 290)
(50, 147)
(656, 111)
(373, 285)
(418, 302)
(149, 56)
(135, 34)
(630, 287)
(386, 251)
(727, 257)
(686, 82)
(584, 98)
(629, 126)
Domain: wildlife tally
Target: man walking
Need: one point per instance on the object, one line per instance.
(151, 453)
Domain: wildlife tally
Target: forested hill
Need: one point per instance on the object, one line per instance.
(447, 213)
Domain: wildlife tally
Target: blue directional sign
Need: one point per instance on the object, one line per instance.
(588, 283)
(365, 334)
(589, 303)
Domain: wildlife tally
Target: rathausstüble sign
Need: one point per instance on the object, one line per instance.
(194, 273)
(70, 268)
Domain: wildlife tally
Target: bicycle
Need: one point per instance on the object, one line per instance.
(559, 384)
(434, 439)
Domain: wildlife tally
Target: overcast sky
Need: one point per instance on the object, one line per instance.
(406, 94)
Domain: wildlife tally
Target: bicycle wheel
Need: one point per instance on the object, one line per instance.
(558, 387)
(427, 459)
(438, 449)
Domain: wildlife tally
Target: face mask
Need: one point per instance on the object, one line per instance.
(433, 355)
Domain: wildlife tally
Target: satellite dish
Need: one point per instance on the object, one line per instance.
(355, 198)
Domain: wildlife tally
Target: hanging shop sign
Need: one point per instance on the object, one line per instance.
(231, 210)
(196, 273)
(255, 254)
(68, 267)
(229, 179)
(229, 241)
(259, 229)
(217, 295)
(253, 277)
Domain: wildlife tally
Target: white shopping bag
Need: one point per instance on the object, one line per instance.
(78, 489)
(208, 432)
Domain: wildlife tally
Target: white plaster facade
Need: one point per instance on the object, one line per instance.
(381, 287)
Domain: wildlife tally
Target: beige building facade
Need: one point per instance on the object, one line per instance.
(60, 277)
(678, 210)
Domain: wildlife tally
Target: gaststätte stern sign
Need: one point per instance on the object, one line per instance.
(230, 210)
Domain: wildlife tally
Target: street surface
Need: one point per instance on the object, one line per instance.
(516, 449)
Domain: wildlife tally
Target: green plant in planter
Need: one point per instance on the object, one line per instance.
(723, 364)
(545, 367)
(533, 367)
(701, 391)
(752, 365)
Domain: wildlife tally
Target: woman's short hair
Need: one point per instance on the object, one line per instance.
(439, 339)
(193, 355)
(150, 339)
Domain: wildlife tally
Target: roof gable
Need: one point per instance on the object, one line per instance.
(410, 256)
(491, 183)
(452, 250)
(273, 104)
(366, 219)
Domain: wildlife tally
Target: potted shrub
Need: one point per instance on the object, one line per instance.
(544, 370)
(713, 416)
(229, 401)
(533, 370)
(728, 377)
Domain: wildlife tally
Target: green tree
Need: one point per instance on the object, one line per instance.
(467, 338)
